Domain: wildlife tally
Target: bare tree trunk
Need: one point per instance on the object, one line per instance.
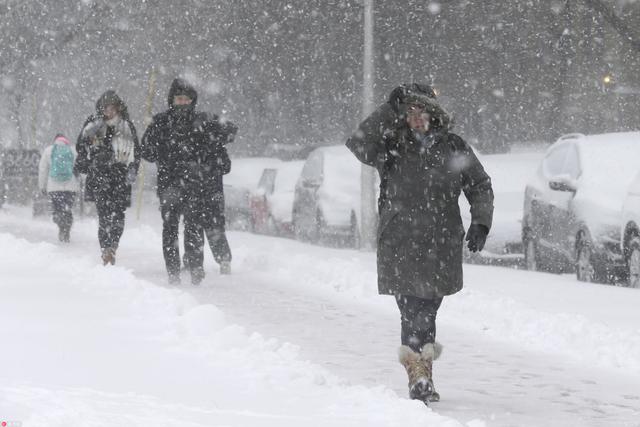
(17, 117)
(566, 51)
(616, 22)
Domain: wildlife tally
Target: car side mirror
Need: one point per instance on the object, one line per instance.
(562, 186)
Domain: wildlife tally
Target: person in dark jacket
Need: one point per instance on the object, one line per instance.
(214, 219)
(423, 168)
(109, 154)
(189, 149)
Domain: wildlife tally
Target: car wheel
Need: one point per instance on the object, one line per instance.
(271, 228)
(316, 233)
(531, 255)
(355, 231)
(633, 263)
(298, 234)
(585, 267)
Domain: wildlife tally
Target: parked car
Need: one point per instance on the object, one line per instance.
(326, 204)
(272, 202)
(238, 186)
(237, 209)
(573, 205)
(19, 174)
(630, 236)
(509, 174)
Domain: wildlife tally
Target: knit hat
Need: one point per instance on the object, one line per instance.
(60, 137)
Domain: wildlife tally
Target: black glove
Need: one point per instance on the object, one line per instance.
(476, 236)
(229, 131)
(92, 128)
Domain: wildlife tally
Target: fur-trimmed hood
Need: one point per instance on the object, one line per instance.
(416, 93)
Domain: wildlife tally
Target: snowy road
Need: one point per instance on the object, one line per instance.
(521, 349)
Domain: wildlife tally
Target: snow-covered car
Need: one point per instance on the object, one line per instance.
(327, 197)
(238, 186)
(631, 232)
(509, 174)
(19, 174)
(572, 212)
(272, 203)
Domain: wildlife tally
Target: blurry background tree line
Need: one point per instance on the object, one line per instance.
(289, 73)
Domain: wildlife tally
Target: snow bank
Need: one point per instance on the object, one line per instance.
(88, 345)
(592, 324)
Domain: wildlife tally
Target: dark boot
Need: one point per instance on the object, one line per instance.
(174, 279)
(66, 235)
(225, 268)
(197, 275)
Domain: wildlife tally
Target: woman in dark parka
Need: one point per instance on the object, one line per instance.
(423, 169)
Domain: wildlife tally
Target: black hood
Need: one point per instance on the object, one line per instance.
(111, 98)
(181, 87)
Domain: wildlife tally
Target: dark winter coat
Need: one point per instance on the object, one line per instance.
(420, 232)
(189, 149)
(106, 177)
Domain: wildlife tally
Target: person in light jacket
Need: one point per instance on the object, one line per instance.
(56, 179)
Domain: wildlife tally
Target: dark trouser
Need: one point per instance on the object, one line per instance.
(110, 221)
(173, 204)
(418, 320)
(62, 202)
(214, 229)
(215, 223)
(219, 244)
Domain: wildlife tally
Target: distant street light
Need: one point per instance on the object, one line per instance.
(608, 83)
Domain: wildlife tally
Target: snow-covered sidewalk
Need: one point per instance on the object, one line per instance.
(86, 345)
(522, 348)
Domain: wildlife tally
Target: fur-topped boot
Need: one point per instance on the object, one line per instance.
(108, 256)
(419, 368)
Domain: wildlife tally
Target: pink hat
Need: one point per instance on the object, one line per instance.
(62, 138)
